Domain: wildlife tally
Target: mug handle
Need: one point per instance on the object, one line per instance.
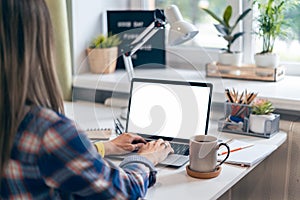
(228, 152)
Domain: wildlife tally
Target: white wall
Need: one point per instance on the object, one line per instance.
(88, 20)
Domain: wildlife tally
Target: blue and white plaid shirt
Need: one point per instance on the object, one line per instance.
(52, 159)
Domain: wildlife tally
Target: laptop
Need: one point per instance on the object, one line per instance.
(171, 110)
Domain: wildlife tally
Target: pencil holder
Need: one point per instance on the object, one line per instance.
(236, 120)
(237, 112)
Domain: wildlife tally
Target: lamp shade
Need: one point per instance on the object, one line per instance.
(180, 30)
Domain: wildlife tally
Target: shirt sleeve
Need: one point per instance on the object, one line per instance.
(70, 163)
(100, 148)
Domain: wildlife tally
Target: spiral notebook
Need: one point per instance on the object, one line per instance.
(249, 156)
(99, 133)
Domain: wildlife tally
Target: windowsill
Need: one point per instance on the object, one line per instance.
(285, 94)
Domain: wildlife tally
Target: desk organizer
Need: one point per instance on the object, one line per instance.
(245, 72)
(240, 114)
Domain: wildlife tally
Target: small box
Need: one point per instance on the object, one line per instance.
(245, 72)
(236, 120)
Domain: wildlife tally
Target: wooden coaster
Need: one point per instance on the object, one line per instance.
(203, 175)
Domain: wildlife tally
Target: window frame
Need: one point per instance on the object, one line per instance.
(292, 68)
(195, 55)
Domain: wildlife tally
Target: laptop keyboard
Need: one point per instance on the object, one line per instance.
(175, 160)
(179, 158)
(179, 148)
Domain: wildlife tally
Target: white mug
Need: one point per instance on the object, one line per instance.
(203, 153)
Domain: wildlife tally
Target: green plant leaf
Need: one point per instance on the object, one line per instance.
(224, 28)
(214, 16)
(236, 36)
(271, 21)
(241, 17)
(227, 15)
(221, 29)
(262, 108)
(102, 41)
(269, 6)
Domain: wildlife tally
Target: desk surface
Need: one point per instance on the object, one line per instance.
(174, 183)
(285, 94)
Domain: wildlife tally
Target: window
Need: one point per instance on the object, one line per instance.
(191, 11)
(288, 48)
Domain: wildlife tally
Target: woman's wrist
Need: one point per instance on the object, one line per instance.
(109, 148)
(150, 156)
(145, 161)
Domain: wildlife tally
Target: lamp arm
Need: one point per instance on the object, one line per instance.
(143, 34)
(128, 66)
(138, 43)
(158, 23)
(147, 36)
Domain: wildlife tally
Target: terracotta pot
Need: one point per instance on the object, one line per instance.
(266, 60)
(102, 61)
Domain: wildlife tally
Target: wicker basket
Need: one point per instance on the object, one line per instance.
(102, 61)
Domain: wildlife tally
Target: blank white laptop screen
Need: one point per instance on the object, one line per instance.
(168, 108)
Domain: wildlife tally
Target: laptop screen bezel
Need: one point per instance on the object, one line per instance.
(172, 82)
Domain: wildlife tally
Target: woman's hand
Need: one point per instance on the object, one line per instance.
(124, 143)
(156, 151)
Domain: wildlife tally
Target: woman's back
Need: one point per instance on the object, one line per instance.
(43, 154)
(51, 159)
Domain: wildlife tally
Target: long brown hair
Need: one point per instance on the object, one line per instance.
(26, 62)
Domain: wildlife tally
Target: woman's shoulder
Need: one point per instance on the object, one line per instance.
(41, 129)
(42, 118)
(47, 114)
(42, 122)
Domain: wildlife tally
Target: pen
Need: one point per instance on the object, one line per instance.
(119, 127)
(229, 96)
(120, 124)
(236, 149)
(118, 131)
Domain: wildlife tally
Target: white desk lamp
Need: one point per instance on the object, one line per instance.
(180, 32)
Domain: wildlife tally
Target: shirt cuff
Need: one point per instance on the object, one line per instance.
(146, 162)
(100, 148)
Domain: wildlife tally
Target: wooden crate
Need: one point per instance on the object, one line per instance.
(245, 72)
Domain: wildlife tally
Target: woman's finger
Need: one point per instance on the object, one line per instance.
(137, 138)
(159, 142)
(138, 146)
(171, 150)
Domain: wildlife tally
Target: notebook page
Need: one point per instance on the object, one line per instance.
(247, 156)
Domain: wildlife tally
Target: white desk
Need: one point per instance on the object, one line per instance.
(174, 183)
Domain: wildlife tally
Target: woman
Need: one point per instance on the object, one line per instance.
(43, 155)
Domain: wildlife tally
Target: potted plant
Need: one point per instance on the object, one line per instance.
(270, 20)
(103, 53)
(262, 110)
(226, 31)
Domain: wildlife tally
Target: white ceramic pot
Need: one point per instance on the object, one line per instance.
(266, 60)
(257, 122)
(233, 59)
